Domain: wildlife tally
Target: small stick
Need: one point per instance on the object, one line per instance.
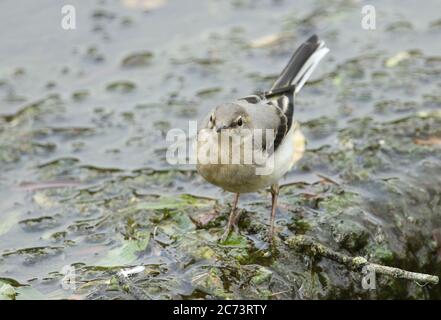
(356, 263)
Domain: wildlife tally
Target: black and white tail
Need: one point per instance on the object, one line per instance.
(298, 70)
(300, 67)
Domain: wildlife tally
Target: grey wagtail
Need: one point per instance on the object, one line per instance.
(270, 112)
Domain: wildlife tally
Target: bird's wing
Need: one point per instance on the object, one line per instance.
(280, 97)
(266, 114)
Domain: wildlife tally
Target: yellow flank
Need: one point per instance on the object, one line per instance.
(299, 143)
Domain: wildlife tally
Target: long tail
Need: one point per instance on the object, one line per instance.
(301, 65)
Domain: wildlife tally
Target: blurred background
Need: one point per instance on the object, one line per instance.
(84, 114)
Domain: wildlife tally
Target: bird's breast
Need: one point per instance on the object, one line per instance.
(242, 176)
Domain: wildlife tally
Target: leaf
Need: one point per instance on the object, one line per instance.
(7, 292)
(126, 254)
(11, 282)
(179, 223)
(8, 222)
(205, 218)
(235, 239)
(183, 222)
(262, 274)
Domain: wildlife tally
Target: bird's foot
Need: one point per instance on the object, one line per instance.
(231, 220)
(271, 237)
(233, 227)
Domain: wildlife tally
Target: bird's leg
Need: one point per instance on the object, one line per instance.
(236, 221)
(274, 196)
(231, 219)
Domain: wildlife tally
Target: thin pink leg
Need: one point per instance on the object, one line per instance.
(231, 219)
(274, 196)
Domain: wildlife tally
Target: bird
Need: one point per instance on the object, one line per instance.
(273, 154)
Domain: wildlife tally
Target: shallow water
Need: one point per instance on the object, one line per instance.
(83, 119)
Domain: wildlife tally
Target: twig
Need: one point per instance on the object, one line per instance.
(356, 263)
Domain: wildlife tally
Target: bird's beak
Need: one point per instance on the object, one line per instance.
(218, 129)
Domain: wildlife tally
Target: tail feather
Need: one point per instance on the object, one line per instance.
(301, 65)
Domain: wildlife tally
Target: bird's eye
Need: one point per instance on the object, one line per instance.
(240, 122)
(211, 118)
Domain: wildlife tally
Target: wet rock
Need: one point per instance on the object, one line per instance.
(262, 275)
(7, 292)
(211, 283)
(382, 254)
(350, 235)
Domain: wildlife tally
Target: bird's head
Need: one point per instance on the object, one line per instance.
(229, 116)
